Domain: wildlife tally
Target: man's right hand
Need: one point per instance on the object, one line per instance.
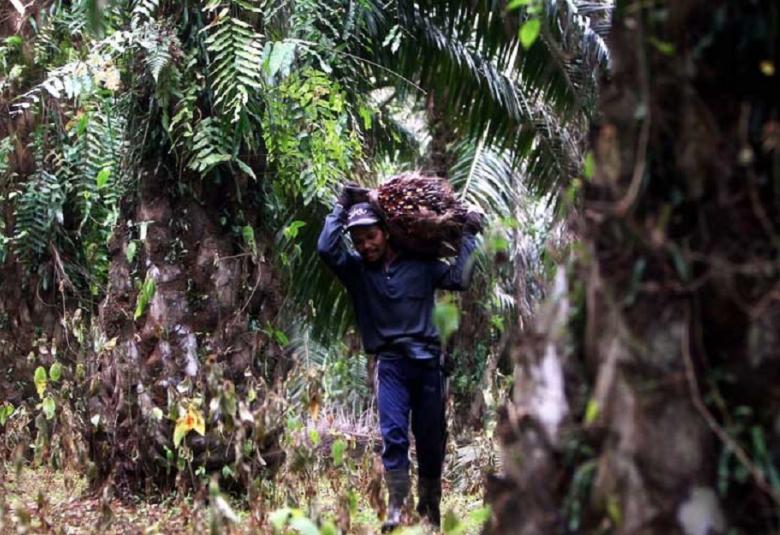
(352, 194)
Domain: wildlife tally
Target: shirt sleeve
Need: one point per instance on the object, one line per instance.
(456, 275)
(331, 246)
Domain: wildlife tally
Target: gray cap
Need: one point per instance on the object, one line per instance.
(361, 214)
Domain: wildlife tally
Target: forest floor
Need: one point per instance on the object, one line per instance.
(45, 500)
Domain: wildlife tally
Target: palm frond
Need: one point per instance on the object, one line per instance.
(485, 177)
(322, 298)
(530, 102)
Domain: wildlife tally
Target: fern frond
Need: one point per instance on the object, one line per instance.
(235, 69)
(159, 44)
(143, 12)
(210, 147)
(39, 211)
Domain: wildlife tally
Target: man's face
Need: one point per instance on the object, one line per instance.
(370, 241)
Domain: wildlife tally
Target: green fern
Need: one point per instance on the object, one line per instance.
(236, 57)
(144, 11)
(211, 146)
(158, 44)
(38, 214)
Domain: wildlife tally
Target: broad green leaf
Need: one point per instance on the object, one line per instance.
(49, 407)
(55, 372)
(5, 412)
(314, 437)
(446, 317)
(291, 231)
(282, 55)
(337, 450)
(529, 32)
(40, 380)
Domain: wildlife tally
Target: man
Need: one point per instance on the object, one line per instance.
(393, 295)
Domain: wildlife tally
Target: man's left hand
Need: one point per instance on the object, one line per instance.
(474, 223)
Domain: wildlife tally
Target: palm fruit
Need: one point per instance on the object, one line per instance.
(422, 214)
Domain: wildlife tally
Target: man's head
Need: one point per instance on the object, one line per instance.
(367, 232)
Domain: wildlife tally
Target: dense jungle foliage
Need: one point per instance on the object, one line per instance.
(169, 335)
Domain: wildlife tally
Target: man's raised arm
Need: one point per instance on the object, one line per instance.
(457, 275)
(330, 245)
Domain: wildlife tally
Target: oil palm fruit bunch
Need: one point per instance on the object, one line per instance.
(422, 214)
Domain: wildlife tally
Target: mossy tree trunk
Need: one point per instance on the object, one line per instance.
(201, 341)
(646, 397)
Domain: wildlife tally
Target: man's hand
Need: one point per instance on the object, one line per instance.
(474, 223)
(352, 194)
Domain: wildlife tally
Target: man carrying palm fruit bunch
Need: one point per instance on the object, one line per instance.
(392, 291)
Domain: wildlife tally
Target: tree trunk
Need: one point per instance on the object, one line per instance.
(201, 341)
(667, 422)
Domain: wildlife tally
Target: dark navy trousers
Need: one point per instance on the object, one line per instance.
(412, 388)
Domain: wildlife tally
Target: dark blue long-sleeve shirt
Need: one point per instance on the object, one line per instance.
(393, 304)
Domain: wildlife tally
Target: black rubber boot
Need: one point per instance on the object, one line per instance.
(429, 498)
(397, 489)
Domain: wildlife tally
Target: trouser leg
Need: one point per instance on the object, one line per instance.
(429, 427)
(393, 400)
(429, 422)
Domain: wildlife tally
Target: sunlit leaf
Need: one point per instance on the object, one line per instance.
(132, 247)
(40, 380)
(451, 525)
(481, 515)
(102, 177)
(446, 317)
(6, 410)
(304, 526)
(55, 372)
(314, 437)
(190, 420)
(280, 517)
(291, 231)
(529, 32)
(589, 166)
(49, 407)
(249, 238)
(591, 411)
(145, 296)
(337, 450)
(514, 4)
